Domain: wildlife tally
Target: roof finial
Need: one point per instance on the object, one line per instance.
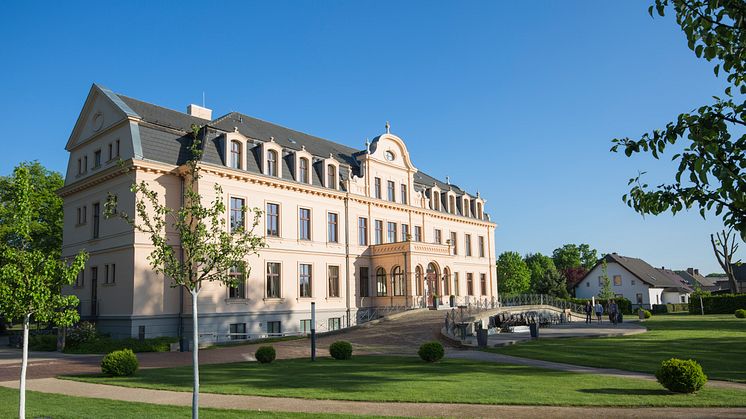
(388, 128)
(367, 146)
(448, 180)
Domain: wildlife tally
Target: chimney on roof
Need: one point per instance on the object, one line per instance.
(199, 112)
(690, 271)
(696, 272)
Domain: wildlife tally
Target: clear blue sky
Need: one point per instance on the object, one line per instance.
(518, 100)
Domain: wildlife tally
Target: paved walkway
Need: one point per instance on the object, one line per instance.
(279, 404)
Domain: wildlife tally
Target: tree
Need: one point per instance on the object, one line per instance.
(45, 225)
(712, 166)
(552, 283)
(32, 273)
(539, 265)
(574, 261)
(724, 245)
(209, 249)
(605, 292)
(513, 275)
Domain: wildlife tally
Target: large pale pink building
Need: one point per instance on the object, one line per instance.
(353, 230)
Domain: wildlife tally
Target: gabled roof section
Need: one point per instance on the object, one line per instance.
(657, 278)
(97, 91)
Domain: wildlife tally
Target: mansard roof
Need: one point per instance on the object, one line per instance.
(166, 134)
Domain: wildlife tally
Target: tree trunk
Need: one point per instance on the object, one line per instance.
(24, 365)
(195, 356)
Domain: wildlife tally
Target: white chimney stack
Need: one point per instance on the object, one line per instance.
(199, 112)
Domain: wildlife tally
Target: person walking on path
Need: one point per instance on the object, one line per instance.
(613, 311)
(599, 311)
(588, 312)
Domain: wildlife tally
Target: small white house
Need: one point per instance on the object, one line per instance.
(635, 280)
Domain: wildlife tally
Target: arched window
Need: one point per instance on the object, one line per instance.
(272, 163)
(418, 279)
(381, 282)
(236, 154)
(436, 201)
(331, 176)
(397, 277)
(452, 204)
(303, 170)
(466, 207)
(479, 210)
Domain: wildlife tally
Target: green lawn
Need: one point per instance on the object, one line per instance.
(408, 379)
(42, 405)
(718, 342)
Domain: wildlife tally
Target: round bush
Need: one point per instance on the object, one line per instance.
(340, 350)
(431, 351)
(741, 313)
(681, 376)
(265, 354)
(120, 363)
(647, 314)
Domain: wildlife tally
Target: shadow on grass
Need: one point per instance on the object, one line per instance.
(626, 391)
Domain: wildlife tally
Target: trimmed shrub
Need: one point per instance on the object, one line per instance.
(120, 363)
(647, 314)
(431, 351)
(102, 345)
(670, 308)
(265, 354)
(340, 350)
(42, 343)
(681, 376)
(718, 304)
(741, 314)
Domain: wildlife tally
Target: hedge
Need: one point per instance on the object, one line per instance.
(670, 308)
(625, 305)
(718, 304)
(103, 345)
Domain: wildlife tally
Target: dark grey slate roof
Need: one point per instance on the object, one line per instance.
(167, 140)
(709, 284)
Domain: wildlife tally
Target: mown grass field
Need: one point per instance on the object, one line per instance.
(717, 341)
(408, 379)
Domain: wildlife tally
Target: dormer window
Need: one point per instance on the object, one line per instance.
(303, 170)
(272, 163)
(436, 201)
(479, 210)
(236, 154)
(452, 204)
(331, 176)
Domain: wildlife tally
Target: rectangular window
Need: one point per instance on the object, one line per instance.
(273, 280)
(106, 274)
(417, 233)
(379, 232)
(303, 170)
(79, 219)
(481, 246)
(364, 280)
(305, 326)
(274, 328)
(237, 290)
(403, 193)
(377, 187)
(362, 231)
(632, 282)
(335, 323)
(456, 286)
(96, 219)
(97, 159)
(617, 280)
(454, 242)
(467, 244)
(304, 224)
(438, 236)
(333, 281)
(111, 155)
(391, 232)
(483, 283)
(85, 164)
(116, 148)
(238, 331)
(237, 218)
(304, 280)
(273, 220)
(397, 278)
(381, 285)
(391, 191)
(470, 284)
(80, 166)
(113, 273)
(333, 236)
(600, 281)
(404, 231)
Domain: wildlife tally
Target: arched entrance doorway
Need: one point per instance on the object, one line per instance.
(432, 286)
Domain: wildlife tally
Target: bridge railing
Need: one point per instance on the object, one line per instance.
(539, 299)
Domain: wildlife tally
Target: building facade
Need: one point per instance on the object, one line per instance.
(635, 280)
(353, 230)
